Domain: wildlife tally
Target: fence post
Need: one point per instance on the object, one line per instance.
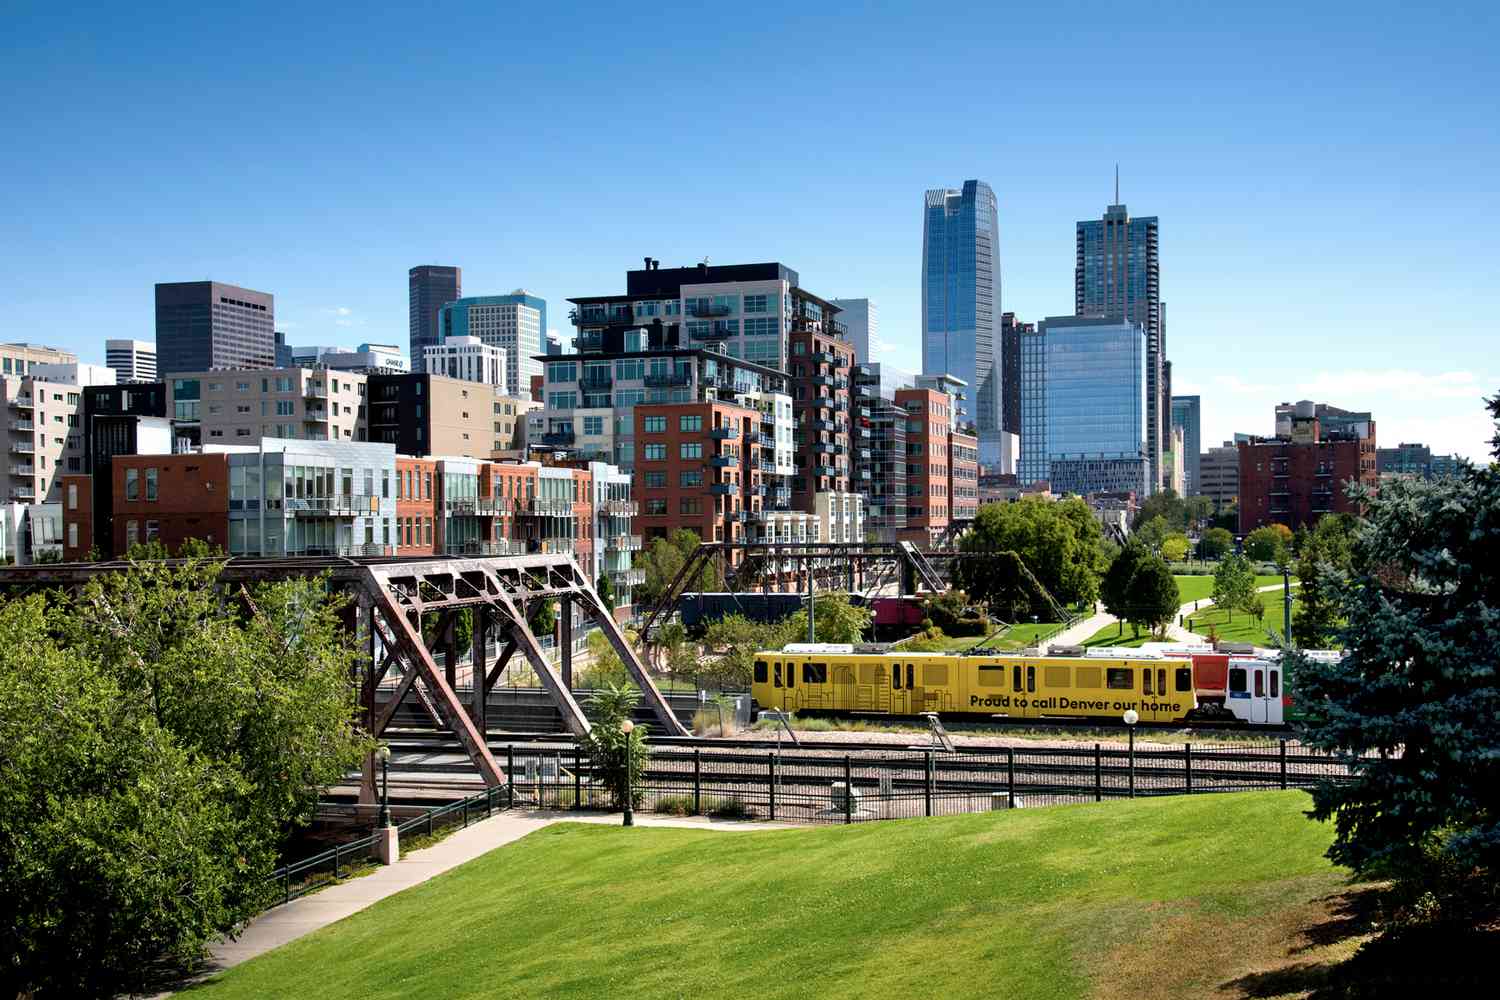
(848, 789)
(1187, 767)
(288, 876)
(510, 776)
(1010, 777)
(336, 860)
(697, 781)
(927, 784)
(557, 782)
(1098, 775)
(772, 764)
(1282, 755)
(577, 778)
(466, 814)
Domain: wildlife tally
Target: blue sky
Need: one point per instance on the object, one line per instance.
(1326, 175)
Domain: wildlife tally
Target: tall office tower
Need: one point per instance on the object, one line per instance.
(1083, 398)
(429, 288)
(961, 302)
(1010, 402)
(1117, 275)
(208, 324)
(1187, 413)
(132, 360)
(860, 322)
(513, 322)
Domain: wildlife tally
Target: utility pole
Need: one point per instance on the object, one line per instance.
(1286, 600)
(811, 629)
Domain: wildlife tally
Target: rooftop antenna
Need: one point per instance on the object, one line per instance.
(1117, 183)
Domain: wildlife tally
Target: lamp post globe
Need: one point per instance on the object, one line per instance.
(384, 753)
(1131, 718)
(627, 728)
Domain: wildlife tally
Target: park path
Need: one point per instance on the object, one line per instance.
(290, 921)
(1080, 632)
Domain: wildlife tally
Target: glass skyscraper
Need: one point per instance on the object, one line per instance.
(429, 288)
(1117, 275)
(1083, 401)
(1187, 413)
(961, 302)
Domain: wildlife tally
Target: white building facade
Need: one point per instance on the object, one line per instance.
(132, 360)
(467, 358)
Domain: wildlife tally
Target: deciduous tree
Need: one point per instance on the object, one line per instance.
(1214, 543)
(1269, 543)
(1058, 541)
(1234, 582)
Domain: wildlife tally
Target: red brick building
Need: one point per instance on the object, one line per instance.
(170, 498)
(929, 419)
(697, 467)
(415, 531)
(78, 516)
(963, 476)
(821, 363)
(1296, 480)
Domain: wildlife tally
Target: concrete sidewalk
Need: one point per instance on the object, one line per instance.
(301, 916)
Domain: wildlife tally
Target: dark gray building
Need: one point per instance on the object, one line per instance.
(1010, 353)
(1187, 413)
(202, 325)
(429, 288)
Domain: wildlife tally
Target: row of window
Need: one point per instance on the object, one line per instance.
(685, 449)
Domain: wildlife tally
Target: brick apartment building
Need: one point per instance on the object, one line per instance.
(1295, 480)
(821, 363)
(698, 466)
(929, 420)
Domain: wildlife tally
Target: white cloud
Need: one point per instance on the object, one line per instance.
(343, 316)
(1393, 384)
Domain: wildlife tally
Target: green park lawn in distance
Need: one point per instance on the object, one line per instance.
(1242, 629)
(1127, 898)
(1198, 588)
(1015, 637)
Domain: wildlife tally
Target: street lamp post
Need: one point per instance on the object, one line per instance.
(1131, 718)
(385, 786)
(628, 728)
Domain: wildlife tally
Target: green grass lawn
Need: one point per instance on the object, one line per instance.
(1123, 899)
(1014, 637)
(1198, 588)
(1244, 628)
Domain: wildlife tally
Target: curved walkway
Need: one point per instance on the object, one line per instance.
(1082, 631)
(303, 915)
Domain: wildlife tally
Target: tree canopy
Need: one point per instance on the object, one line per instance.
(1214, 543)
(835, 619)
(663, 559)
(1414, 701)
(1269, 543)
(1139, 588)
(159, 736)
(1058, 541)
(1234, 584)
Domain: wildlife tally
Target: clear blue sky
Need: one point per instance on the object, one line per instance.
(1326, 175)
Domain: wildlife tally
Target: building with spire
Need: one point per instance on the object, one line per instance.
(1117, 275)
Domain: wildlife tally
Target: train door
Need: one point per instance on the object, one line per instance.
(903, 678)
(1274, 704)
(1251, 683)
(791, 698)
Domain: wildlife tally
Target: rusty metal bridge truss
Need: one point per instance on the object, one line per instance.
(390, 601)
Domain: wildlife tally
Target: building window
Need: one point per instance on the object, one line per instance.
(690, 422)
(691, 477)
(132, 533)
(73, 497)
(73, 534)
(656, 506)
(132, 485)
(153, 529)
(150, 484)
(655, 453)
(656, 480)
(593, 425)
(690, 449)
(654, 425)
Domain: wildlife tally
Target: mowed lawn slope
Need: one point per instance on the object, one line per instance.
(1164, 898)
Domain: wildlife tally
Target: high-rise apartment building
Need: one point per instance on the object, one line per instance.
(1010, 355)
(208, 324)
(240, 406)
(1187, 413)
(1295, 478)
(861, 325)
(132, 360)
(429, 288)
(1083, 399)
(514, 323)
(1117, 275)
(878, 468)
(961, 302)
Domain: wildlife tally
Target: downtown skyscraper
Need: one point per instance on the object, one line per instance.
(1117, 275)
(961, 303)
(429, 288)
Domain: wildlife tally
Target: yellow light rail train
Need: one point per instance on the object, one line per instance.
(834, 678)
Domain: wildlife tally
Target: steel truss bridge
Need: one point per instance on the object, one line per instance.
(389, 600)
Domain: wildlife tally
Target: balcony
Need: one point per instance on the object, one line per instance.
(627, 577)
(722, 489)
(21, 402)
(558, 438)
(315, 416)
(596, 381)
(460, 506)
(701, 310)
(22, 426)
(22, 493)
(621, 508)
(825, 447)
(544, 506)
(841, 383)
(825, 380)
(768, 467)
(826, 470)
(724, 461)
(602, 317)
(659, 380)
(500, 547)
(358, 549)
(345, 506)
(23, 447)
(724, 433)
(826, 402)
(313, 390)
(824, 357)
(490, 506)
(623, 543)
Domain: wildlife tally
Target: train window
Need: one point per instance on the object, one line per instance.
(1031, 678)
(895, 677)
(990, 676)
(909, 669)
(1237, 680)
(1119, 679)
(936, 675)
(760, 671)
(1146, 681)
(1184, 678)
(776, 673)
(1260, 684)
(791, 674)
(1015, 678)
(814, 673)
(1276, 684)
(1087, 677)
(1161, 680)
(1055, 677)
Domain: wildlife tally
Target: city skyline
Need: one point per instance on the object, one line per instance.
(1290, 188)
